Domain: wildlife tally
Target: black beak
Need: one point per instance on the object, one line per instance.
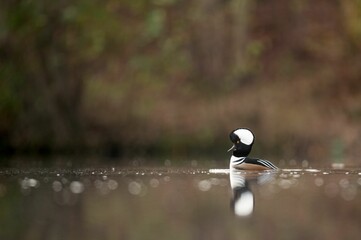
(232, 148)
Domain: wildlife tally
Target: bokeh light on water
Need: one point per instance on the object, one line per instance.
(106, 199)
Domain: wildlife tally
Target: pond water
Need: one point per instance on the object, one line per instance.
(179, 203)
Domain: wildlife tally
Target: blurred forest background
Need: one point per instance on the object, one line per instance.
(175, 77)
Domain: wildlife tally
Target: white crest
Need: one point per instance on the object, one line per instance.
(245, 135)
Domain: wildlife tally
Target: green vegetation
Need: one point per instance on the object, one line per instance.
(174, 77)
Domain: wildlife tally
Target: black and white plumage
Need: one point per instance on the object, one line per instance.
(243, 139)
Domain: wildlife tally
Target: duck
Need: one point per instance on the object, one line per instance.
(243, 140)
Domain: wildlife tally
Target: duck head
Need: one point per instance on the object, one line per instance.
(242, 139)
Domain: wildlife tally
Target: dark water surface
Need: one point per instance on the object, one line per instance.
(179, 203)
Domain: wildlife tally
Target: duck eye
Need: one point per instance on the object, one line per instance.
(237, 141)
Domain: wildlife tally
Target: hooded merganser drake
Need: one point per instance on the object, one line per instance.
(243, 139)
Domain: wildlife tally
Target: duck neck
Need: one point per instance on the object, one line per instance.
(236, 160)
(241, 153)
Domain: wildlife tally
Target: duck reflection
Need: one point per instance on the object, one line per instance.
(242, 182)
